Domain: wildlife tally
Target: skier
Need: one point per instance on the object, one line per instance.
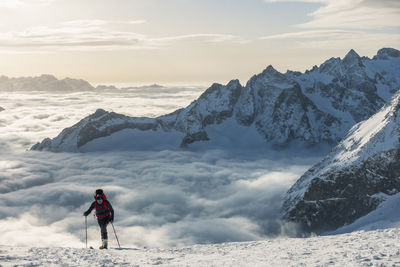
(104, 213)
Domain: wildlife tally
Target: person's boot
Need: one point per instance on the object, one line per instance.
(104, 244)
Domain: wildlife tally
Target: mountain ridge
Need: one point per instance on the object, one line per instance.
(317, 106)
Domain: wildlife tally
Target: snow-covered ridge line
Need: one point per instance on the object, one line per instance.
(318, 106)
(346, 184)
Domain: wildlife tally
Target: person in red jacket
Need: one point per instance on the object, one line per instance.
(104, 213)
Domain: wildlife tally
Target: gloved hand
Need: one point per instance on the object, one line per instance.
(111, 219)
(85, 213)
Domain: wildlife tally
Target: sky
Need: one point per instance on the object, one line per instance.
(186, 41)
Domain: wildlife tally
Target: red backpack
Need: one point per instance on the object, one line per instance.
(103, 196)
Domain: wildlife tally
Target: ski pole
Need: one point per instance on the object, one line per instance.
(115, 234)
(86, 229)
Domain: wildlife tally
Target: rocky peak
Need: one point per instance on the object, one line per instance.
(213, 88)
(351, 55)
(271, 73)
(330, 66)
(47, 78)
(352, 59)
(233, 84)
(270, 77)
(99, 112)
(77, 83)
(385, 53)
(270, 70)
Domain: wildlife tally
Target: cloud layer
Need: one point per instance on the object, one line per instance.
(166, 198)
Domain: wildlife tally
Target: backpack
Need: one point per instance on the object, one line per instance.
(103, 196)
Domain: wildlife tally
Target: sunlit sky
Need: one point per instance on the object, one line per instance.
(186, 41)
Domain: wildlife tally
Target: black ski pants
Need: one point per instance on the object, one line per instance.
(103, 222)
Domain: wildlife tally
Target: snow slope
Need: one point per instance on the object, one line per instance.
(350, 181)
(384, 217)
(363, 248)
(318, 106)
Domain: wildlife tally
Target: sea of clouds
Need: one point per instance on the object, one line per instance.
(164, 198)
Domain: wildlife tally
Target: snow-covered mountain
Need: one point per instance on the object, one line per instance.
(320, 105)
(46, 83)
(354, 178)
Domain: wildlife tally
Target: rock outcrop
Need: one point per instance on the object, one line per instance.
(352, 180)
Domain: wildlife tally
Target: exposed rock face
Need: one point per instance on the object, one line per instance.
(350, 182)
(320, 105)
(99, 124)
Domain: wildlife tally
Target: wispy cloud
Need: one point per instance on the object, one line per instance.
(91, 35)
(314, 34)
(354, 14)
(98, 22)
(336, 39)
(203, 37)
(344, 24)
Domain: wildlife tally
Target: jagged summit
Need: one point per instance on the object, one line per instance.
(47, 77)
(353, 62)
(385, 53)
(233, 83)
(270, 70)
(319, 106)
(351, 55)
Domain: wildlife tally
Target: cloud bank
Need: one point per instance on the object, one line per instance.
(161, 199)
(167, 198)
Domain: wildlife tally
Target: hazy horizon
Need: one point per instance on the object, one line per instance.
(180, 84)
(186, 41)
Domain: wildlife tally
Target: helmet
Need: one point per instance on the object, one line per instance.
(99, 192)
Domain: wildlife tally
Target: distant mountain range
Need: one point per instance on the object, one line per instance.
(320, 105)
(354, 178)
(45, 83)
(49, 83)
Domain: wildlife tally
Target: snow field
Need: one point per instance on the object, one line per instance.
(363, 248)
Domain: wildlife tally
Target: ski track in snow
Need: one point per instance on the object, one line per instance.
(363, 248)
